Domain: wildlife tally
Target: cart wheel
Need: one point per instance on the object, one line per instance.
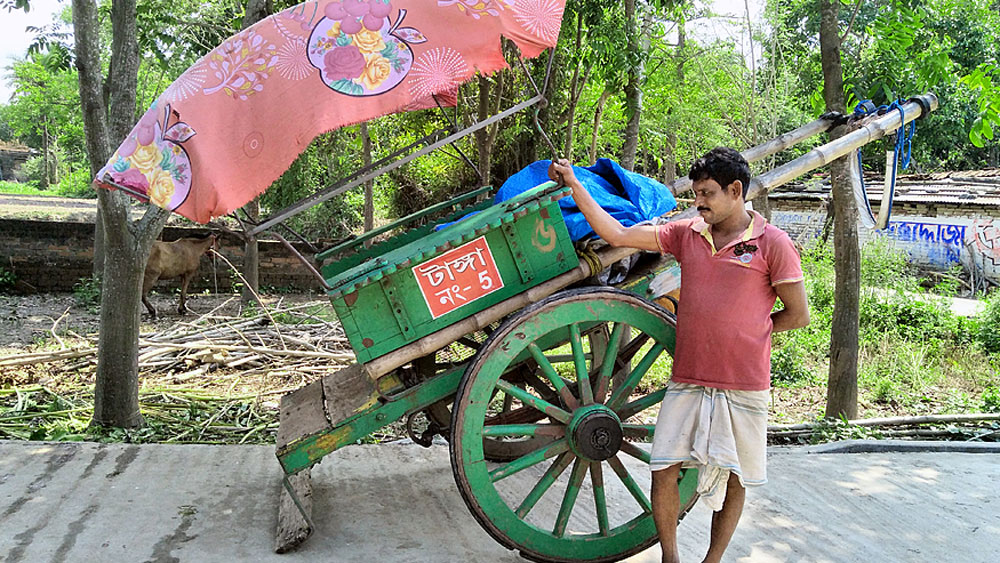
(508, 448)
(588, 426)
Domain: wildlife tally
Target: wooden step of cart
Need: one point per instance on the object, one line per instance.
(329, 414)
(313, 410)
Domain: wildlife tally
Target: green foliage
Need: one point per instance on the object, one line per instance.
(7, 278)
(17, 188)
(76, 184)
(87, 293)
(991, 399)
(789, 367)
(988, 321)
(985, 81)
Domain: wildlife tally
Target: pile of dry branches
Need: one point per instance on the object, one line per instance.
(216, 379)
(289, 340)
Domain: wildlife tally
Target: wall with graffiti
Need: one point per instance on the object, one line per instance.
(983, 245)
(934, 242)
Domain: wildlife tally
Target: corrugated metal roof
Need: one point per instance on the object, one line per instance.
(965, 187)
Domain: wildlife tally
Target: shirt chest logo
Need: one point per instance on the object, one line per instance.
(744, 252)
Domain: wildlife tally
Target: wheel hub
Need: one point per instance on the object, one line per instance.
(595, 433)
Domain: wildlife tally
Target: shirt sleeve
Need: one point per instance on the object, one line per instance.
(784, 261)
(668, 238)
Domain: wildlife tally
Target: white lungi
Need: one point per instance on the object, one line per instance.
(717, 431)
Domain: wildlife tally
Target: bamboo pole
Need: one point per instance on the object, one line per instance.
(774, 146)
(889, 421)
(821, 156)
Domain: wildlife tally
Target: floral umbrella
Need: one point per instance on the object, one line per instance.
(233, 122)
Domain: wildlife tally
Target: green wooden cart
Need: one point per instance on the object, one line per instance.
(538, 390)
(488, 330)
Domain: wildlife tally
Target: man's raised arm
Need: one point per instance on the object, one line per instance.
(607, 227)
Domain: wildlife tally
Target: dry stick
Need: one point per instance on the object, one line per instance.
(41, 357)
(890, 421)
(62, 345)
(255, 294)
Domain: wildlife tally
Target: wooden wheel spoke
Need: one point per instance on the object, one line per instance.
(550, 373)
(537, 403)
(584, 390)
(641, 404)
(621, 394)
(526, 461)
(553, 430)
(569, 499)
(638, 431)
(522, 415)
(544, 390)
(635, 451)
(543, 484)
(549, 369)
(630, 484)
(600, 499)
(608, 363)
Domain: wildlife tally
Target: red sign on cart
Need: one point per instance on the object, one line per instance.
(458, 277)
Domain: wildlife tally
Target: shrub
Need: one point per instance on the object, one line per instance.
(788, 366)
(7, 278)
(991, 399)
(87, 293)
(988, 324)
(76, 184)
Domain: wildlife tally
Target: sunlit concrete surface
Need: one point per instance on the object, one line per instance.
(398, 503)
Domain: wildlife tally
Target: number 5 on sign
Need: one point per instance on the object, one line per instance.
(485, 281)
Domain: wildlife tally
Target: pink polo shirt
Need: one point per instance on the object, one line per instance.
(724, 317)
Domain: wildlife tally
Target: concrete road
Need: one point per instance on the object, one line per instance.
(398, 503)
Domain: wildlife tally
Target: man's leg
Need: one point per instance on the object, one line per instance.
(666, 507)
(724, 521)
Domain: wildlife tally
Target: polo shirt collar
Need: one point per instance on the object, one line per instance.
(754, 230)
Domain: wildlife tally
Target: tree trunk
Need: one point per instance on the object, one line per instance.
(573, 93)
(116, 389)
(366, 160)
(598, 113)
(251, 257)
(842, 387)
(484, 141)
(45, 154)
(670, 158)
(256, 11)
(633, 89)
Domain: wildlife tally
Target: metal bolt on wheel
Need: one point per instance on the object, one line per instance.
(542, 502)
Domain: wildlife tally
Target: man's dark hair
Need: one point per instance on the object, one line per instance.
(724, 165)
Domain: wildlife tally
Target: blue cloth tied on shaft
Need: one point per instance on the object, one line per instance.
(628, 197)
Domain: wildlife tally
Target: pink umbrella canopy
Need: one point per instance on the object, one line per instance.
(233, 122)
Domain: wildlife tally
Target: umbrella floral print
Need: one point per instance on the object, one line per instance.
(359, 51)
(153, 162)
(233, 122)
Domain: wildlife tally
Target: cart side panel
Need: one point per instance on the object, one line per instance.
(431, 283)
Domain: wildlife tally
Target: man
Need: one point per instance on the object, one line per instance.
(714, 414)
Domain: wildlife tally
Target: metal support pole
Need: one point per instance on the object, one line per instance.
(338, 189)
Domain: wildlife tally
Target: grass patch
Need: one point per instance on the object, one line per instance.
(17, 188)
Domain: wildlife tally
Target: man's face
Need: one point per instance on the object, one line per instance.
(715, 203)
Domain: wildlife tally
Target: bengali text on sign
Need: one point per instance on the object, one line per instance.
(458, 277)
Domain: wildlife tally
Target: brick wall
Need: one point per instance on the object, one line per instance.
(51, 256)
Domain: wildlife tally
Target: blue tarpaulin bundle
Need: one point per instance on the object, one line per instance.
(629, 197)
